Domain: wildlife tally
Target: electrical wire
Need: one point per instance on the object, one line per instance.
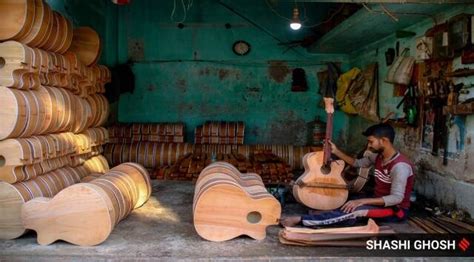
(370, 10)
(388, 13)
(172, 12)
(274, 11)
(329, 19)
(186, 8)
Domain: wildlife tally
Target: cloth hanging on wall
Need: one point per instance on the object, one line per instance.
(363, 93)
(343, 84)
(328, 82)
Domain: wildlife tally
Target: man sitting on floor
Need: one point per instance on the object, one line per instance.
(394, 180)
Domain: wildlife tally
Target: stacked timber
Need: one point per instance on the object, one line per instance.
(158, 155)
(13, 196)
(33, 23)
(26, 68)
(86, 213)
(441, 225)
(220, 132)
(148, 154)
(149, 132)
(52, 110)
(228, 204)
(271, 168)
(343, 236)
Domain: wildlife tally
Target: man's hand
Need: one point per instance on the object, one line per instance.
(334, 148)
(351, 205)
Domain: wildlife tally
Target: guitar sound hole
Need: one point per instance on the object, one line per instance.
(2, 160)
(254, 217)
(2, 62)
(325, 169)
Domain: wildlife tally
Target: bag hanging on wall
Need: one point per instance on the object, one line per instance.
(401, 70)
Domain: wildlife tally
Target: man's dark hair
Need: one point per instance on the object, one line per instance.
(380, 130)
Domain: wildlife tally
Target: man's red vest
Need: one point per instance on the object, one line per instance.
(383, 180)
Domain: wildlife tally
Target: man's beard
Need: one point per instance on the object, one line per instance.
(377, 151)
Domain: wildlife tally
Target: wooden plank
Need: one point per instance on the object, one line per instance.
(458, 223)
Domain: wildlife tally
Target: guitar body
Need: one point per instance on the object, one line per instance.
(321, 186)
(228, 204)
(310, 188)
(357, 177)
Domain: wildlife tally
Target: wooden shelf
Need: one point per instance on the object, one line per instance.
(401, 123)
(461, 73)
(461, 109)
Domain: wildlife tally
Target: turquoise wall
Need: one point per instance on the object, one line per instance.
(191, 74)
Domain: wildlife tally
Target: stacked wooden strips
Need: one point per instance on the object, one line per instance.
(23, 67)
(148, 154)
(441, 225)
(97, 164)
(213, 132)
(27, 158)
(269, 167)
(86, 45)
(344, 236)
(34, 23)
(13, 196)
(150, 132)
(156, 155)
(77, 160)
(228, 204)
(44, 90)
(91, 138)
(85, 214)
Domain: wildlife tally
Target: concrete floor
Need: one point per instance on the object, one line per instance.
(163, 229)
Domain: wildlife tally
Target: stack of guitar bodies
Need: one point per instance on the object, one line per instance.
(214, 132)
(271, 168)
(150, 132)
(228, 204)
(52, 108)
(86, 213)
(154, 155)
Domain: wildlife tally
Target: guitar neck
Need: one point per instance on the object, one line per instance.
(329, 107)
(327, 146)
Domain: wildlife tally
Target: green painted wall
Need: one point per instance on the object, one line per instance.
(434, 180)
(192, 75)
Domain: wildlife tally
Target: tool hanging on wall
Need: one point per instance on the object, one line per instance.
(410, 106)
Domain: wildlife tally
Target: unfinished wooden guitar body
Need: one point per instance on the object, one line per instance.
(85, 214)
(13, 196)
(228, 204)
(318, 190)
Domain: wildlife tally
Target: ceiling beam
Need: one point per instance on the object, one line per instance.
(391, 1)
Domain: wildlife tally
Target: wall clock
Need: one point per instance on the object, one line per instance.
(241, 48)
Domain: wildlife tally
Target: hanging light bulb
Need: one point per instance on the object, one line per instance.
(295, 22)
